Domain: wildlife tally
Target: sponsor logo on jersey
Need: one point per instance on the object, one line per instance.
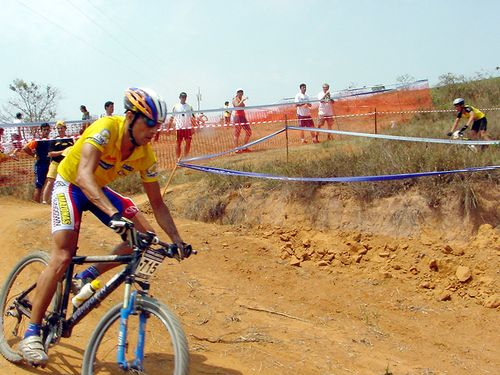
(152, 171)
(101, 138)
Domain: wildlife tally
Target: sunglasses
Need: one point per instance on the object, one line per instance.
(149, 123)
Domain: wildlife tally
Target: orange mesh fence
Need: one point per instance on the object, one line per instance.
(353, 110)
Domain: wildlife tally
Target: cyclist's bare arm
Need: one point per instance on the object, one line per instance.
(85, 179)
(455, 125)
(161, 211)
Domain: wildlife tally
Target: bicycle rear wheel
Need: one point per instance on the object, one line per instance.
(166, 349)
(16, 299)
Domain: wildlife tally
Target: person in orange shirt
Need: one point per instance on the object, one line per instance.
(39, 149)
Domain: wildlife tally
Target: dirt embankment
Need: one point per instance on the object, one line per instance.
(438, 245)
(284, 295)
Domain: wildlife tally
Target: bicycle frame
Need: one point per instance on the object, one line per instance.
(147, 253)
(59, 317)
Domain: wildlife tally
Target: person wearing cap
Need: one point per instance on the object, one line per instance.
(183, 116)
(240, 121)
(109, 108)
(56, 154)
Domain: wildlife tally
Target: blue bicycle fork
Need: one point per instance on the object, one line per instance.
(129, 308)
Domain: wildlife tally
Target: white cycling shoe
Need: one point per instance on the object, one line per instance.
(33, 351)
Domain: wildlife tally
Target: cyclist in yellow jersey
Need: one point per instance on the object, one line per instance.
(474, 116)
(109, 148)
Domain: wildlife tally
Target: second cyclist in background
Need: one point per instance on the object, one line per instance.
(474, 117)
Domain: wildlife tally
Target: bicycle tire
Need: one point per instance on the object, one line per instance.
(13, 286)
(177, 350)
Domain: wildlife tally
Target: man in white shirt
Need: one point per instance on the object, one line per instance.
(109, 108)
(303, 105)
(184, 124)
(325, 110)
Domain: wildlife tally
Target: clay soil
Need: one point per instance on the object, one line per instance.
(288, 299)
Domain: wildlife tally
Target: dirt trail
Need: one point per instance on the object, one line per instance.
(275, 300)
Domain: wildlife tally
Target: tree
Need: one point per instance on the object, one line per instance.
(37, 103)
(405, 80)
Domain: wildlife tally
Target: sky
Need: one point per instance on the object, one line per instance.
(92, 50)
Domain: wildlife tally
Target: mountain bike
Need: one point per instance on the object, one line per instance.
(160, 344)
(459, 135)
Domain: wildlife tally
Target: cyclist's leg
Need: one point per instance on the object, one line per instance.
(66, 215)
(64, 247)
(483, 130)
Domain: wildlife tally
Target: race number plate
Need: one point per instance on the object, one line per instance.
(150, 261)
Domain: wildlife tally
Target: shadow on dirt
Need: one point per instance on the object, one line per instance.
(68, 361)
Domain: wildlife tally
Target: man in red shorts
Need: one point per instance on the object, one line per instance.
(240, 121)
(184, 124)
(303, 104)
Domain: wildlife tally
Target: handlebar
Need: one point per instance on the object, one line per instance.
(144, 240)
(168, 249)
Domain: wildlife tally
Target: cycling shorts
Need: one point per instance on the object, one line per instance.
(69, 202)
(480, 124)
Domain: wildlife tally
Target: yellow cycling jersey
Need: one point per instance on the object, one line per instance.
(106, 135)
(467, 110)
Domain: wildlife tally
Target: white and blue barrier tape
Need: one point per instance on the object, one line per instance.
(231, 172)
(397, 137)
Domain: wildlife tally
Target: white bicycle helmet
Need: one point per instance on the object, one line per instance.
(459, 101)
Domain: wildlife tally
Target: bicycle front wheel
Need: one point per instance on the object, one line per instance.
(16, 299)
(165, 351)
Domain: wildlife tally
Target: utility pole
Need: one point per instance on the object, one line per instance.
(198, 98)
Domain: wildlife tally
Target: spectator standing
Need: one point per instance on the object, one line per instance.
(19, 120)
(201, 120)
(3, 153)
(303, 105)
(227, 114)
(325, 109)
(56, 154)
(240, 121)
(109, 108)
(85, 116)
(183, 115)
(16, 143)
(474, 116)
(39, 148)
